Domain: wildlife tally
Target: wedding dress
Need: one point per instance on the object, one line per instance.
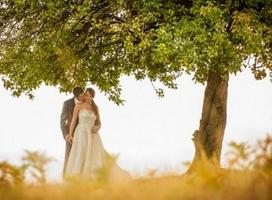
(87, 157)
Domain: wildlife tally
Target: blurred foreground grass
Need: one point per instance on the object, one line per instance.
(226, 184)
(248, 176)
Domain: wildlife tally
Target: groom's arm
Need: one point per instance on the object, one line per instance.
(63, 120)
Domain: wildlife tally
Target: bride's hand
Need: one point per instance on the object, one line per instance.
(95, 129)
(69, 138)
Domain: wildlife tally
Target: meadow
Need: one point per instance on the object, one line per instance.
(248, 176)
(228, 185)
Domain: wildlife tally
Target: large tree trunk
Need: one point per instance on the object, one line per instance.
(208, 139)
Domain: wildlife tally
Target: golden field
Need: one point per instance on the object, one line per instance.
(248, 176)
(225, 185)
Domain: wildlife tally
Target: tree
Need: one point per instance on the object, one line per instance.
(68, 42)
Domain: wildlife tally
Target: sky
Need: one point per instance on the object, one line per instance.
(146, 133)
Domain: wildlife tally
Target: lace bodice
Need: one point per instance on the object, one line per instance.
(86, 117)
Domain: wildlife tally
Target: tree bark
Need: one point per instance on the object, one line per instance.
(209, 137)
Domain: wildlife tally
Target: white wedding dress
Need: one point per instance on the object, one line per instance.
(88, 156)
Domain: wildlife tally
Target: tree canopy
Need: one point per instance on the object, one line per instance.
(65, 43)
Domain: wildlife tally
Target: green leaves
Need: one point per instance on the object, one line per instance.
(68, 43)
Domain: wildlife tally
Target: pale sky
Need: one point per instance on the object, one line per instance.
(147, 132)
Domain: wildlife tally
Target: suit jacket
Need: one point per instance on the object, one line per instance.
(66, 115)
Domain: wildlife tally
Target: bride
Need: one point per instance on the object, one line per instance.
(88, 155)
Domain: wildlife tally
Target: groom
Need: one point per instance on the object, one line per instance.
(66, 118)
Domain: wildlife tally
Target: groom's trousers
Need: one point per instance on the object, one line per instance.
(67, 152)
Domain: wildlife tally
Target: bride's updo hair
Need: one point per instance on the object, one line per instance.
(94, 106)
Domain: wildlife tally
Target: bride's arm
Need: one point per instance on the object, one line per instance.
(74, 119)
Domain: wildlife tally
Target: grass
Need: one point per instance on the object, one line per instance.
(248, 177)
(225, 185)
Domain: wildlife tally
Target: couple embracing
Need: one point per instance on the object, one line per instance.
(85, 154)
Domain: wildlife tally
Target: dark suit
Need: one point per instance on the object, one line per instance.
(65, 121)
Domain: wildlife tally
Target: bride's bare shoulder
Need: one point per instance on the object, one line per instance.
(81, 105)
(78, 106)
